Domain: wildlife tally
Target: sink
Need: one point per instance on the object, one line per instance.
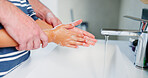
(84, 62)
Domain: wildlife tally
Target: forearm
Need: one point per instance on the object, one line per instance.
(10, 14)
(8, 41)
(40, 9)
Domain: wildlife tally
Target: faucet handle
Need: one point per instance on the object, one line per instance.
(135, 18)
(143, 26)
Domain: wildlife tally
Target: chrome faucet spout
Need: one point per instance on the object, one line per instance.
(118, 32)
(141, 49)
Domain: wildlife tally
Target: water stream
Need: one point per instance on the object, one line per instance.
(105, 51)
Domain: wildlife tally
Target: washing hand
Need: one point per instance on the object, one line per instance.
(89, 38)
(67, 34)
(70, 36)
(61, 35)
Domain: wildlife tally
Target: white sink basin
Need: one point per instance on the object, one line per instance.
(83, 62)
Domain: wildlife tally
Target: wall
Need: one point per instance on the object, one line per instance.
(98, 13)
(132, 8)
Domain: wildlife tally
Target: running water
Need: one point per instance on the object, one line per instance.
(105, 50)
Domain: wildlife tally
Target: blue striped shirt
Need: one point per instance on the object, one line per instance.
(10, 58)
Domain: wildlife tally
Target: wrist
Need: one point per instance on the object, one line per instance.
(50, 35)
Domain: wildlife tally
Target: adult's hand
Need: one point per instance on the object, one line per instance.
(44, 13)
(52, 19)
(22, 28)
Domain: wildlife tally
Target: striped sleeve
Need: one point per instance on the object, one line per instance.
(31, 12)
(10, 61)
(25, 7)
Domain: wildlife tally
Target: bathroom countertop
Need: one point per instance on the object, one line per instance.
(85, 62)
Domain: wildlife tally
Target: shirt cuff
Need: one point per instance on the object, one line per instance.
(34, 17)
(1, 26)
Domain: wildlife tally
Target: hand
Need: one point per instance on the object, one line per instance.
(44, 13)
(22, 28)
(61, 35)
(52, 19)
(61, 32)
(89, 38)
(27, 34)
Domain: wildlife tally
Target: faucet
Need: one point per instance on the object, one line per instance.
(141, 58)
(141, 49)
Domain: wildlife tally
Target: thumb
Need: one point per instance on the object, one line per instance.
(17, 48)
(68, 26)
(75, 23)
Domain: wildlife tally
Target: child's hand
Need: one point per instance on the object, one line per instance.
(89, 38)
(68, 35)
(61, 35)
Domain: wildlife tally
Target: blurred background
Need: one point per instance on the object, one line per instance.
(98, 14)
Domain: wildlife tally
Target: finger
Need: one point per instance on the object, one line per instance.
(49, 18)
(90, 39)
(17, 48)
(59, 22)
(30, 45)
(86, 45)
(76, 43)
(75, 23)
(48, 21)
(36, 43)
(54, 22)
(72, 46)
(82, 42)
(88, 34)
(22, 47)
(89, 42)
(77, 34)
(67, 26)
(78, 39)
(85, 33)
(80, 35)
(44, 39)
